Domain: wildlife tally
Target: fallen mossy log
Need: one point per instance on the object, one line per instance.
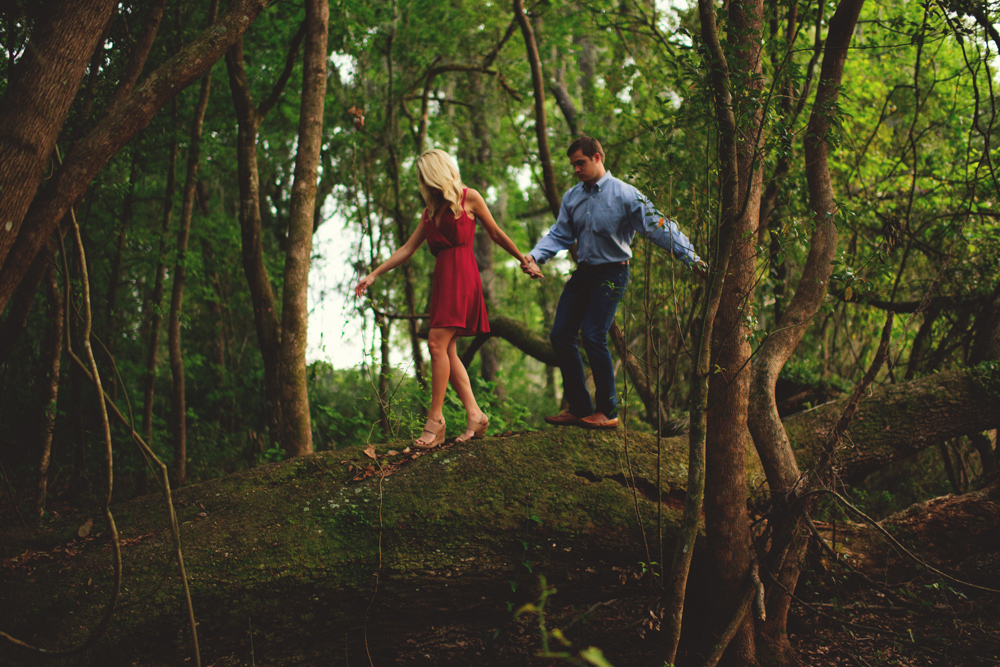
(898, 420)
(302, 549)
(307, 553)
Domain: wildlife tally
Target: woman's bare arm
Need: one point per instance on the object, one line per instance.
(403, 253)
(476, 206)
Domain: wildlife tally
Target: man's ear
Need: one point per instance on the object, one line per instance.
(598, 157)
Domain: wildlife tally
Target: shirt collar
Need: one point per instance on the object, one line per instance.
(599, 185)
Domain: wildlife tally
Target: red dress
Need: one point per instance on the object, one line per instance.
(457, 292)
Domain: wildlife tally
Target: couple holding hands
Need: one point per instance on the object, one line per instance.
(601, 214)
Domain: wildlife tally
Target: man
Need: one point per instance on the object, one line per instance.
(602, 215)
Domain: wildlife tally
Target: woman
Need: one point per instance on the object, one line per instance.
(457, 307)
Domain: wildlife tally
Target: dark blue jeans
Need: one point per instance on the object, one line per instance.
(587, 308)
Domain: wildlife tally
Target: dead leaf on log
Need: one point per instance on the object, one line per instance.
(370, 451)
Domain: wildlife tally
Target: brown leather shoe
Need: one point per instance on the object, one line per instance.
(564, 418)
(598, 420)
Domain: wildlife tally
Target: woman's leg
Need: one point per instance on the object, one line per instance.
(463, 386)
(439, 340)
(437, 344)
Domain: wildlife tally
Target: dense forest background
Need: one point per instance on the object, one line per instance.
(164, 166)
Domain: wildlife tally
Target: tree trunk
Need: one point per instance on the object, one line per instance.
(178, 402)
(489, 363)
(51, 357)
(675, 589)
(541, 131)
(216, 315)
(296, 435)
(265, 311)
(40, 90)
(769, 435)
(110, 328)
(155, 301)
(121, 123)
(727, 525)
(402, 225)
(385, 368)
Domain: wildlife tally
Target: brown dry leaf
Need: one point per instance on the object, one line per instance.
(392, 452)
(84, 530)
(370, 451)
(359, 117)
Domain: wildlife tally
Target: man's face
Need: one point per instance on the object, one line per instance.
(587, 169)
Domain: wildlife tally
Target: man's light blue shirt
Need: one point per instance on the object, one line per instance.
(603, 218)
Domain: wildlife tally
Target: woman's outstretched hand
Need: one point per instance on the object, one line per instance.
(363, 284)
(529, 267)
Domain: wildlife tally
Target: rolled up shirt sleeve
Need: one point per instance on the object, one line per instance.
(560, 237)
(661, 230)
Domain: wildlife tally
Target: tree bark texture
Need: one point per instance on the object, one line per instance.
(675, 589)
(769, 436)
(727, 524)
(296, 436)
(122, 123)
(42, 86)
(265, 310)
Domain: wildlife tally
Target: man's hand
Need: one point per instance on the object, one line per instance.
(529, 267)
(700, 269)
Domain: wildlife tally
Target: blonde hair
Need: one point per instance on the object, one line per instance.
(437, 171)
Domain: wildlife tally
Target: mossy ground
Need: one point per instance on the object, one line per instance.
(314, 561)
(290, 553)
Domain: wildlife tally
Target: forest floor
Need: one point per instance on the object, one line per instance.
(887, 610)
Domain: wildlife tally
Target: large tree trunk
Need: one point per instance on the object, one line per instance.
(296, 431)
(676, 583)
(120, 124)
(265, 311)
(727, 525)
(178, 402)
(769, 435)
(37, 100)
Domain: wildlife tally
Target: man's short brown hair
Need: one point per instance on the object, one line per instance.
(588, 145)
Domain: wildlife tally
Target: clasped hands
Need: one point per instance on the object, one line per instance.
(531, 268)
